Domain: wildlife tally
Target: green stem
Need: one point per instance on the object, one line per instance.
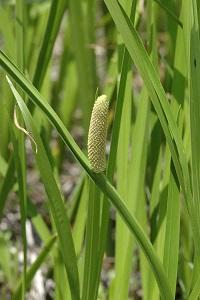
(90, 289)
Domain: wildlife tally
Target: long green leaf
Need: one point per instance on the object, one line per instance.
(170, 259)
(90, 289)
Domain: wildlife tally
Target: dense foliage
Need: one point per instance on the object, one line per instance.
(68, 230)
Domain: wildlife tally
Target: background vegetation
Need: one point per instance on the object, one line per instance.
(66, 232)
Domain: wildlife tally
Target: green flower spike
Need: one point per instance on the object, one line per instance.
(97, 134)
